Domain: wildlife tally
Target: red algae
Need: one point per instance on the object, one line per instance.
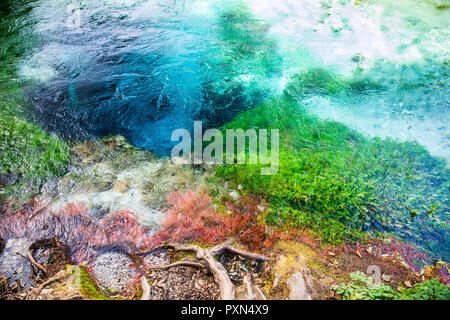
(192, 217)
(85, 237)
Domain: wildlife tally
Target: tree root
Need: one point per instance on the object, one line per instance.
(145, 289)
(36, 264)
(36, 291)
(248, 284)
(207, 256)
(161, 285)
(180, 263)
(219, 249)
(253, 292)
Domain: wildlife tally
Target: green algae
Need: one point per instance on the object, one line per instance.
(340, 183)
(28, 153)
(315, 81)
(89, 288)
(320, 81)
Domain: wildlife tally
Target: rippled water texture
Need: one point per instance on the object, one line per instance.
(145, 68)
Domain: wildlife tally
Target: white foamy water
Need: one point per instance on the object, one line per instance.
(404, 40)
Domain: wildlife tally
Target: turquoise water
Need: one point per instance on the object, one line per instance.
(145, 68)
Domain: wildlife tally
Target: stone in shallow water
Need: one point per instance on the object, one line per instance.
(13, 262)
(120, 186)
(8, 179)
(297, 286)
(114, 271)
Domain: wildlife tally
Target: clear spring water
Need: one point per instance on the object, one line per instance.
(143, 68)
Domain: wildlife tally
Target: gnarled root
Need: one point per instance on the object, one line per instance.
(207, 258)
(180, 263)
(34, 293)
(253, 292)
(34, 262)
(145, 289)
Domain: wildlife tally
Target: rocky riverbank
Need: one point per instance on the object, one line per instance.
(357, 210)
(92, 234)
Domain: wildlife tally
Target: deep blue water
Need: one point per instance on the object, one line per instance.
(144, 68)
(145, 76)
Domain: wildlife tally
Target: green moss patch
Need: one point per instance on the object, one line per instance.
(28, 155)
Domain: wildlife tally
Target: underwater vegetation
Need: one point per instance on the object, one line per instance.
(145, 68)
(339, 182)
(363, 287)
(28, 154)
(243, 67)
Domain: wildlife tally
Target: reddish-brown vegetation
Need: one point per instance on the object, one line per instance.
(192, 218)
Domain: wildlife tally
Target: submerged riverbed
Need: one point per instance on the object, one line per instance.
(143, 69)
(352, 70)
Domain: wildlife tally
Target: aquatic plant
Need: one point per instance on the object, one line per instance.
(73, 225)
(320, 81)
(242, 66)
(363, 287)
(89, 288)
(29, 156)
(192, 218)
(340, 183)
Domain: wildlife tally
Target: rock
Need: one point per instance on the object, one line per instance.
(80, 150)
(90, 159)
(297, 287)
(156, 258)
(116, 141)
(260, 207)
(103, 183)
(276, 280)
(233, 194)
(386, 277)
(114, 271)
(408, 284)
(8, 179)
(99, 212)
(13, 262)
(121, 187)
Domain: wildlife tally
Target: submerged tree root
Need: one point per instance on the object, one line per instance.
(207, 260)
(34, 293)
(34, 262)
